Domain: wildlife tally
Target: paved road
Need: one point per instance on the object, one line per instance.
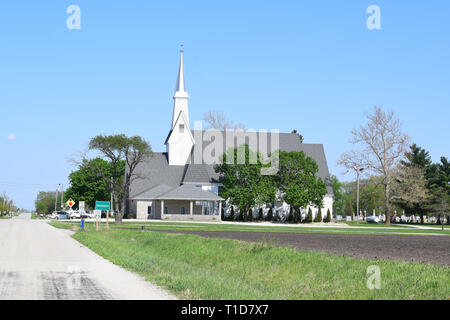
(38, 261)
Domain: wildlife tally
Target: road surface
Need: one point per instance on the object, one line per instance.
(38, 261)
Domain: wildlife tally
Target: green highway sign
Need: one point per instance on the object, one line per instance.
(102, 205)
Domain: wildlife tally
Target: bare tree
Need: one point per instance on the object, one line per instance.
(383, 146)
(218, 120)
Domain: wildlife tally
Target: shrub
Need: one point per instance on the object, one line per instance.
(309, 218)
(319, 216)
(328, 218)
(297, 216)
(291, 215)
(270, 215)
(222, 215)
(260, 214)
(249, 215)
(232, 214)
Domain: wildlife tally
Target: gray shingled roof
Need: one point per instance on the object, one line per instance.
(287, 142)
(156, 171)
(153, 192)
(189, 192)
(153, 171)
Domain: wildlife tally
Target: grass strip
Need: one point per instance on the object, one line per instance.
(194, 267)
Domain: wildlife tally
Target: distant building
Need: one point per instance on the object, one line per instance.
(180, 185)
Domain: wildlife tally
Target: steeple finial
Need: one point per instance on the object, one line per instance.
(181, 47)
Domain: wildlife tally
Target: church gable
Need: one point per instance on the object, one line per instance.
(179, 142)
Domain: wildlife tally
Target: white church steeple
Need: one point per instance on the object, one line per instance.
(181, 96)
(180, 141)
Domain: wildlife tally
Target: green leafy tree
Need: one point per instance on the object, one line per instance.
(45, 203)
(85, 184)
(297, 180)
(118, 148)
(339, 196)
(440, 205)
(242, 181)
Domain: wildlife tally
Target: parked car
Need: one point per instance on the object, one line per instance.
(85, 214)
(372, 219)
(74, 214)
(62, 215)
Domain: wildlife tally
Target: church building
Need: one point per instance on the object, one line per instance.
(179, 184)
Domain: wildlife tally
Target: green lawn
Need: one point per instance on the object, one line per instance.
(395, 225)
(362, 229)
(194, 267)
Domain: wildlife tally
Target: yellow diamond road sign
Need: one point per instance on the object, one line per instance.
(70, 203)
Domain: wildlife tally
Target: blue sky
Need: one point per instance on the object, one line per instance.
(308, 65)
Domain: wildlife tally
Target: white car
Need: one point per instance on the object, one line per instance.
(372, 219)
(74, 214)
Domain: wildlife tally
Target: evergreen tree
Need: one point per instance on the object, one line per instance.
(319, 216)
(270, 215)
(309, 218)
(328, 219)
(291, 216)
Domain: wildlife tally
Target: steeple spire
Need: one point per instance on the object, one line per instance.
(181, 96)
(180, 87)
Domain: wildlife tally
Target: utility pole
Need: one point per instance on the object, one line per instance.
(358, 172)
(56, 199)
(62, 196)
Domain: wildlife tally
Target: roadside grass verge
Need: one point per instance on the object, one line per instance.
(363, 229)
(194, 267)
(395, 225)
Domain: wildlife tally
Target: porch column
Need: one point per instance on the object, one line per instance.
(192, 208)
(214, 208)
(220, 209)
(162, 208)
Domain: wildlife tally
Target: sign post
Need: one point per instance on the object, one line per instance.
(97, 215)
(106, 206)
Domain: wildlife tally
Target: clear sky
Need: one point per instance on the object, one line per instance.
(313, 66)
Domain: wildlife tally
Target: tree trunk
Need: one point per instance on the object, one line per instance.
(386, 204)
